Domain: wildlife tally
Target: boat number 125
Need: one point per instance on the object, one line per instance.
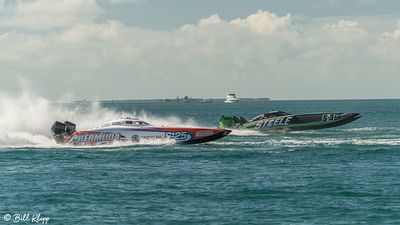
(177, 135)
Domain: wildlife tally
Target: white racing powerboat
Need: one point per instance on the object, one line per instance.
(133, 130)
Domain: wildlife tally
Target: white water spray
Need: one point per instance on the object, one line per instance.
(25, 119)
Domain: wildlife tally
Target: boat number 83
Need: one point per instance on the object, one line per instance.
(330, 117)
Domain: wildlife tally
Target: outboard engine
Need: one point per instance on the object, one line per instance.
(61, 131)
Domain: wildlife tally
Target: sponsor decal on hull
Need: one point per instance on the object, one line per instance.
(99, 137)
(204, 133)
(284, 121)
(135, 138)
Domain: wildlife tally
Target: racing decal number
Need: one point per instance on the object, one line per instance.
(181, 135)
(328, 117)
(331, 117)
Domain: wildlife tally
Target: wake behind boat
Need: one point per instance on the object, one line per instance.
(282, 121)
(132, 130)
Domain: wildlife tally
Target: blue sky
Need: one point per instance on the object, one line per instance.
(175, 13)
(129, 49)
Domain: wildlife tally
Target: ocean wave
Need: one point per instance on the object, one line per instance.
(369, 129)
(312, 142)
(236, 132)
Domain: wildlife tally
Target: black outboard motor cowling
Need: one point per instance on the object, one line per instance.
(61, 131)
(70, 127)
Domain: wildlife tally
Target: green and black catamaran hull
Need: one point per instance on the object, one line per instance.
(281, 121)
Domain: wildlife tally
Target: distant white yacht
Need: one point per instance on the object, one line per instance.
(231, 98)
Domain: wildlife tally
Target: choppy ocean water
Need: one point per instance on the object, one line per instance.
(344, 175)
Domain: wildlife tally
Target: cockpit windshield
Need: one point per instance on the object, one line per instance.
(126, 122)
(276, 113)
(271, 114)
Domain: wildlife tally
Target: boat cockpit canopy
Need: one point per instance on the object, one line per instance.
(271, 114)
(126, 122)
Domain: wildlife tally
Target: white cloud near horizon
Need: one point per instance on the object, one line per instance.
(65, 49)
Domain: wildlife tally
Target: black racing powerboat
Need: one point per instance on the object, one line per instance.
(283, 121)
